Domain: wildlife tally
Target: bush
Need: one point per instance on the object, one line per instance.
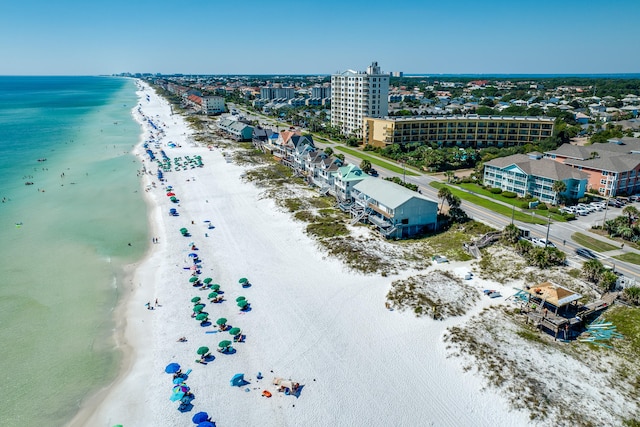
(542, 207)
(524, 205)
(495, 190)
(554, 210)
(509, 194)
(569, 216)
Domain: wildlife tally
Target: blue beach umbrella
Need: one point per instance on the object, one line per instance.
(193, 255)
(172, 368)
(206, 424)
(200, 417)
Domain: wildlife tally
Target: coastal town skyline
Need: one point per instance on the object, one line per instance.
(412, 37)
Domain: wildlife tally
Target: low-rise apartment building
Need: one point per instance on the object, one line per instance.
(464, 131)
(532, 174)
(613, 167)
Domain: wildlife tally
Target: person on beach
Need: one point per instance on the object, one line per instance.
(156, 302)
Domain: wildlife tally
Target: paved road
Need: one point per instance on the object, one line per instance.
(558, 232)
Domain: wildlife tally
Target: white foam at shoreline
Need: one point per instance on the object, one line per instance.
(312, 321)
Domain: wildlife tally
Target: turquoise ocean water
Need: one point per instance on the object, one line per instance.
(64, 239)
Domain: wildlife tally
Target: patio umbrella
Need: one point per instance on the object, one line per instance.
(200, 417)
(193, 279)
(234, 331)
(213, 295)
(237, 380)
(172, 368)
(208, 280)
(224, 343)
(243, 280)
(195, 299)
(198, 308)
(243, 303)
(202, 317)
(240, 298)
(203, 350)
(221, 321)
(215, 287)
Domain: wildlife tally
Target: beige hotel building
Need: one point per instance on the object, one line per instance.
(463, 131)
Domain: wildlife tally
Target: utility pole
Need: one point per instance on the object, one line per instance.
(546, 240)
(513, 212)
(404, 171)
(606, 207)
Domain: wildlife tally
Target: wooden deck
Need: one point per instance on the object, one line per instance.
(546, 319)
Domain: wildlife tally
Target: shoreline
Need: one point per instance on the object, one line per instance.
(311, 320)
(125, 297)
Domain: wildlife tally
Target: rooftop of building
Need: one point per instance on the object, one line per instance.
(389, 193)
(533, 165)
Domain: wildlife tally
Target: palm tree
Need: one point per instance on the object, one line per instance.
(365, 165)
(444, 193)
(511, 234)
(558, 187)
(631, 212)
(449, 175)
(592, 270)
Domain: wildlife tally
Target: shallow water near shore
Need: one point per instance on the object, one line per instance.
(64, 239)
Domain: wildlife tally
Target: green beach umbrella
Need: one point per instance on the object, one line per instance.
(215, 287)
(198, 308)
(224, 343)
(202, 316)
(221, 321)
(193, 279)
(183, 230)
(212, 295)
(243, 280)
(234, 331)
(195, 299)
(243, 303)
(203, 350)
(173, 198)
(240, 298)
(208, 280)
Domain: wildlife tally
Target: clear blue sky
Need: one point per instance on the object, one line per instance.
(308, 37)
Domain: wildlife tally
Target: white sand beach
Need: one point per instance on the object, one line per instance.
(311, 320)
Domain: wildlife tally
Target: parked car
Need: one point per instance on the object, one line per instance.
(541, 242)
(582, 211)
(373, 172)
(585, 253)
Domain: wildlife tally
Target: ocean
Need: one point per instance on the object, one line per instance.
(65, 238)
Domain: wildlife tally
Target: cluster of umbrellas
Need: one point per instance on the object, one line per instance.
(188, 163)
(198, 308)
(180, 391)
(242, 302)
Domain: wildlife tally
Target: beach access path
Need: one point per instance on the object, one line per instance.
(311, 320)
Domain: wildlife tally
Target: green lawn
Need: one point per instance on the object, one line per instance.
(631, 257)
(490, 205)
(475, 188)
(375, 160)
(593, 243)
